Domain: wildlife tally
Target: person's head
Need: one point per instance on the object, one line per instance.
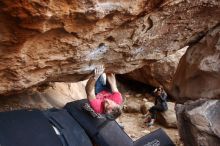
(158, 91)
(112, 109)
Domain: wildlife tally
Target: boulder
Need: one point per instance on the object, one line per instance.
(132, 106)
(146, 106)
(198, 122)
(196, 85)
(54, 95)
(168, 118)
(198, 73)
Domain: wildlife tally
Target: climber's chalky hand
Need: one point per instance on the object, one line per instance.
(98, 71)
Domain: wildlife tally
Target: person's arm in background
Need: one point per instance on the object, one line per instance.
(90, 85)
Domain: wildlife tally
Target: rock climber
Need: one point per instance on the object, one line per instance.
(103, 95)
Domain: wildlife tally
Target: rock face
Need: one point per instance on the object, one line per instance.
(146, 106)
(160, 72)
(199, 122)
(50, 40)
(198, 74)
(168, 118)
(132, 107)
(44, 97)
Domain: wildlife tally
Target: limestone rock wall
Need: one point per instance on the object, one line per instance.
(160, 72)
(51, 40)
(52, 95)
(198, 74)
(197, 86)
(199, 122)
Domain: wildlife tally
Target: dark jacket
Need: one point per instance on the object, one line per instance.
(161, 101)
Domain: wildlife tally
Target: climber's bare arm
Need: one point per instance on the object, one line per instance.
(90, 86)
(112, 81)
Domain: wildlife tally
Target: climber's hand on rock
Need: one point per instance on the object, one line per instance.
(111, 78)
(98, 71)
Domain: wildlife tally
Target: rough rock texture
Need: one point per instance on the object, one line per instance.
(63, 40)
(44, 97)
(168, 118)
(132, 102)
(160, 72)
(199, 122)
(132, 107)
(145, 106)
(198, 74)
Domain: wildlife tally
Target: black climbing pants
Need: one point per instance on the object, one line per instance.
(154, 109)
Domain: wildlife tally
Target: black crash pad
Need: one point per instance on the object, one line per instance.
(26, 128)
(71, 133)
(155, 138)
(102, 131)
(109, 133)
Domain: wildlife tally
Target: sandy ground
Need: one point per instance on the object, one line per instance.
(135, 127)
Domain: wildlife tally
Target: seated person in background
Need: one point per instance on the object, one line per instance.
(160, 104)
(104, 97)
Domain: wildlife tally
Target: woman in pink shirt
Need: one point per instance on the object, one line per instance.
(103, 96)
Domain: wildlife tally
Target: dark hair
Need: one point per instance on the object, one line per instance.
(116, 112)
(159, 90)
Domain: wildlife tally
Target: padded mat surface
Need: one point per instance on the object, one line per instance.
(102, 131)
(26, 128)
(71, 132)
